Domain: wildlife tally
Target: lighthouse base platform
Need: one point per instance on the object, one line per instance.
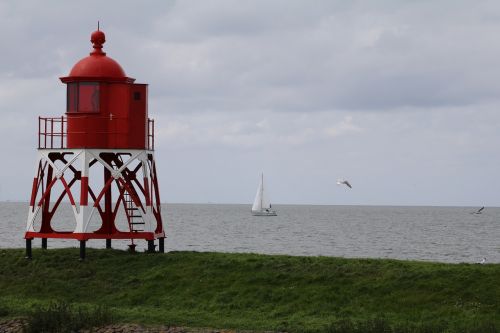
(113, 193)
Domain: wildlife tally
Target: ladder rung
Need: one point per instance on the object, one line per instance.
(137, 223)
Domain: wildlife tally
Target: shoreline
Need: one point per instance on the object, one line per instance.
(276, 254)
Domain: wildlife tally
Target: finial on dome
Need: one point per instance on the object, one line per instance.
(98, 38)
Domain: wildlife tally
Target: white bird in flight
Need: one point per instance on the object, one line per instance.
(483, 261)
(343, 182)
(479, 211)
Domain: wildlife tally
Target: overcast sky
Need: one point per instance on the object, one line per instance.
(400, 97)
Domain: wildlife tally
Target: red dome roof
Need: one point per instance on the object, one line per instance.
(97, 65)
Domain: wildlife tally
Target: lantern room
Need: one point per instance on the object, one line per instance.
(104, 107)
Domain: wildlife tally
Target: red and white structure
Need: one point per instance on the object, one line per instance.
(100, 157)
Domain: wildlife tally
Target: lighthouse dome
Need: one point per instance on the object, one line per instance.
(97, 66)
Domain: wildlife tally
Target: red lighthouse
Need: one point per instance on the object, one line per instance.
(100, 157)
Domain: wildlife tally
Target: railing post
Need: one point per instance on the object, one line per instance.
(52, 133)
(65, 133)
(39, 127)
(45, 134)
(153, 134)
(62, 131)
(147, 135)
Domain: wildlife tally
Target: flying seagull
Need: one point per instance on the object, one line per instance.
(343, 181)
(479, 211)
(483, 261)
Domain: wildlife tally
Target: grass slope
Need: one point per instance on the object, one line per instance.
(249, 291)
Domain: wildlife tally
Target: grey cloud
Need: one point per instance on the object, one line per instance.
(338, 60)
(279, 55)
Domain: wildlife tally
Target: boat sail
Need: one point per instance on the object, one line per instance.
(261, 205)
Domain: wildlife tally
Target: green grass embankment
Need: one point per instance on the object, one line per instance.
(255, 292)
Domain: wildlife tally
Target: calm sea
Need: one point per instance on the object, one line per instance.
(447, 234)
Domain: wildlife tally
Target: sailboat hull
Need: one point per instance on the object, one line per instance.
(264, 212)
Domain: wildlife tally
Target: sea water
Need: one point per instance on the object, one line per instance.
(445, 234)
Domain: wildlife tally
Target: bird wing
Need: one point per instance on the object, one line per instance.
(347, 183)
(480, 209)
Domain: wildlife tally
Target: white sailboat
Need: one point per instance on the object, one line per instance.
(261, 205)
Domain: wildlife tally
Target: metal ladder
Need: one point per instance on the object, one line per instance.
(135, 221)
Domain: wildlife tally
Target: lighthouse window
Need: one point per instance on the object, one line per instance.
(137, 95)
(88, 97)
(83, 97)
(72, 93)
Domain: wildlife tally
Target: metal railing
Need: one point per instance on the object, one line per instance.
(52, 132)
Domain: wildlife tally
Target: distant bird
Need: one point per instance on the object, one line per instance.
(343, 182)
(483, 261)
(479, 211)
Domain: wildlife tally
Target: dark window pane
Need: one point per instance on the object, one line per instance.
(72, 97)
(88, 97)
(137, 95)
